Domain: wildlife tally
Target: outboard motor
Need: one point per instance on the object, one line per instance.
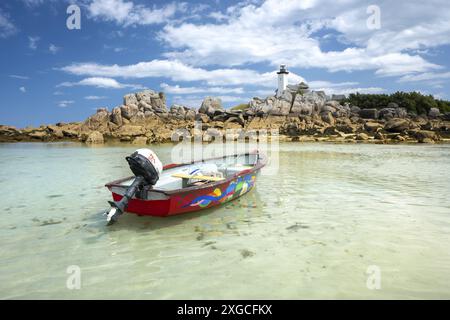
(146, 166)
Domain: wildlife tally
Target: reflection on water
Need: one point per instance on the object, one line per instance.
(311, 231)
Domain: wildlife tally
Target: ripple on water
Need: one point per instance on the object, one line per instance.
(310, 231)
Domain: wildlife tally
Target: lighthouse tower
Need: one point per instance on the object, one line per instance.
(282, 79)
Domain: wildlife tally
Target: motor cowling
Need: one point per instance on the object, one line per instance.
(145, 163)
(147, 167)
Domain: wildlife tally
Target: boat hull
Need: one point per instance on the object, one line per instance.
(186, 201)
(192, 200)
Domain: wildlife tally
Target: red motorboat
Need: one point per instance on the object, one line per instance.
(182, 188)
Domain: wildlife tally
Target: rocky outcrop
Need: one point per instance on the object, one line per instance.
(202, 117)
(95, 138)
(98, 121)
(369, 113)
(9, 133)
(140, 140)
(372, 126)
(116, 116)
(425, 136)
(434, 113)
(397, 125)
(210, 105)
(298, 114)
(390, 112)
(362, 136)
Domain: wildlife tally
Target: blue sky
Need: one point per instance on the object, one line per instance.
(228, 49)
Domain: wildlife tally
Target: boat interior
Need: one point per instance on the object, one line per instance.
(202, 172)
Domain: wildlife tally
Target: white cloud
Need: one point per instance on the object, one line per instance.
(95, 97)
(126, 13)
(327, 84)
(178, 71)
(219, 51)
(226, 98)
(65, 103)
(347, 91)
(176, 89)
(283, 31)
(100, 82)
(346, 87)
(219, 16)
(263, 92)
(53, 49)
(110, 10)
(415, 25)
(23, 89)
(15, 76)
(32, 42)
(441, 95)
(189, 101)
(428, 76)
(194, 101)
(7, 28)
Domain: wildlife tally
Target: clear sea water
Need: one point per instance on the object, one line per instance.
(316, 229)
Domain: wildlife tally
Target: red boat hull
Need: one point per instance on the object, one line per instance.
(193, 200)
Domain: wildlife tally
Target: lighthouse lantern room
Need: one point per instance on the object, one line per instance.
(282, 79)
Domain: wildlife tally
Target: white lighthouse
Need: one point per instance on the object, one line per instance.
(282, 79)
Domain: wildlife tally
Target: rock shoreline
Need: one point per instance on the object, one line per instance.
(297, 114)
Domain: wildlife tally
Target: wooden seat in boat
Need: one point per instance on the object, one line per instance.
(198, 177)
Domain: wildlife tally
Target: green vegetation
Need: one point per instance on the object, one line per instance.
(413, 102)
(241, 106)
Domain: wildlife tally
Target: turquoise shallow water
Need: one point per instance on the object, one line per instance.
(310, 231)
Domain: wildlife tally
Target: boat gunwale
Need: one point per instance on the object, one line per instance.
(261, 162)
